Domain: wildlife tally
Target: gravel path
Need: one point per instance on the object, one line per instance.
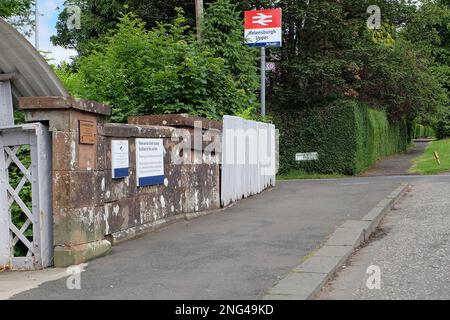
(412, 249)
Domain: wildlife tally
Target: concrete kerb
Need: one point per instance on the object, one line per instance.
(307, 279)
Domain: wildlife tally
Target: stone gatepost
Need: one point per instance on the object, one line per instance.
(78, 162)
(91, 209)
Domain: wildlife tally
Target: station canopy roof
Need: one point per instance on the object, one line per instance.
(30, 74)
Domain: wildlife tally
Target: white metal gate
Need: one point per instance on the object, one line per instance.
(26, 229)
(249, 158)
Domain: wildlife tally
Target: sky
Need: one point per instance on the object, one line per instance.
(47, 23)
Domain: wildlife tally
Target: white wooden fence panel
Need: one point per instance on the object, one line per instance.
(248, 158)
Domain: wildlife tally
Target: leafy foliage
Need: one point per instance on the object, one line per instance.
(442, 124)
(421, 131)
(222, 33)
(348, 136)
(20, 14)
(430, 30)
(163, 70)
(18, 218)
(329, 54)
(10, 8)
(99, 17)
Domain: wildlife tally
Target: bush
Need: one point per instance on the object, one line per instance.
(421, 131)
(348, 136)
(163, 70)
(442, 125)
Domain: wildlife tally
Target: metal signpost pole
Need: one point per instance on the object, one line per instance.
(263, 81)
(262, 28)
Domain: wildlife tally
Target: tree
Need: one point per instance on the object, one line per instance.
(19, 13)
(10, 8)
(99, 17)
(328, 53)
(223, 30)
(162, 70)
(429, 29)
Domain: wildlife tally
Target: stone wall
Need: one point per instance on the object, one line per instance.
(90, 209)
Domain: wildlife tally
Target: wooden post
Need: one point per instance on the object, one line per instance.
(438, 159)
(199, 16)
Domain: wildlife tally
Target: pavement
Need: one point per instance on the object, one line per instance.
(397, 164)
(238, 253)
(411, 250)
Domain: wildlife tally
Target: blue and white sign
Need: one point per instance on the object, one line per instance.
(120, 159)
(149, 162)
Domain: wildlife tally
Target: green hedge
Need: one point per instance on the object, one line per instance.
(442, 125)
(421, 131)
(348, 136)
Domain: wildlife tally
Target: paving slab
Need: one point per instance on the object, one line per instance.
(301, 285)
(317, 264)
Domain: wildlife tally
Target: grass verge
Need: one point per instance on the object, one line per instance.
(427, 164)
(300, 174)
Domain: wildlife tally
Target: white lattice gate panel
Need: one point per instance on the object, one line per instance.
(248, 158)
(26, 236)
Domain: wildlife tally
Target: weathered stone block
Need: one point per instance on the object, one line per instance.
(68, 154)
(150, 208)
(61, 190)
(64, 150)
(63, 103)
(120, 215)
(76, 226)
(74, 255)
(118, 189)
(83, 191)
(101, 153)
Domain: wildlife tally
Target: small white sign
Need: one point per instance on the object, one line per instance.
(149, 162)
(120, 159)
(270, 66)
(311, 156)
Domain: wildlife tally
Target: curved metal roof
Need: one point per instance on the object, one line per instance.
(33, 76)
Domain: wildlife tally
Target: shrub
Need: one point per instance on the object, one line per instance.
(163, 70)
(442, 125)
(348, 136)
(421, 131)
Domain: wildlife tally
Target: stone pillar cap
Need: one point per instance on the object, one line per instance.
(58, 103)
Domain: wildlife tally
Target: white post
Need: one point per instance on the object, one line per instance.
(263, 81)
(5, 249)
(6, 104)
